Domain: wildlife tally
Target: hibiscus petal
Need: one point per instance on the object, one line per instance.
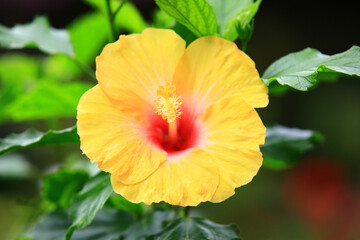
(185, 181)
(131, 69)
(114, 140)
(212, 69)
(234, 132)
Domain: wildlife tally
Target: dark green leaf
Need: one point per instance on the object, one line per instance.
(300, 70)
(184, 33)
(89, 201)
(119, 202)
(196, 15)
(150, 224)
(39, 34)
(283, 146)
(78, 161)
(14, 166)
(33, 138)
(47, 100)
(197, 229)
(107, 225)
(59, 188)
(52, 226)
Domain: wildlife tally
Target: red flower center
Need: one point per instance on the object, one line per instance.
(189, 133)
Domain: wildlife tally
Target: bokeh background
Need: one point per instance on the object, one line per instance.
(317, 199)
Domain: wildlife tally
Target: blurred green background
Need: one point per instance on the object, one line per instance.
(317, 199)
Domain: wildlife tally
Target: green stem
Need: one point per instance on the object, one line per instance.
(112, 16)
(111, 21)
(118, 9)
(186, 211)
(88, 70)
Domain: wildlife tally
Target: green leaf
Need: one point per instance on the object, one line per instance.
(150, 224)
(15, 166)
(108, 224)
(283, 146)
(33, 138)
(300, 70)
(184, 33)
(241, 24)
(60, 188)
(228, 9)
(78, 161)
(196, 15)
(30, 87)
(60, 68)
(47, 100)
(17, 73)
(162, 20)
(39, 34)
(197, 229)
(89, 201)
(128, 18)
(88, 35)
(52, 226)
(19, 68)
(119, 202)
(25, 70)
(231, 12)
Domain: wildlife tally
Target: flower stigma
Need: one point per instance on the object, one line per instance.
(168, 106)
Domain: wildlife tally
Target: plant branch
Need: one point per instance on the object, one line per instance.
(111, 21)
(119, 8)
(111, 17)
(88, 70)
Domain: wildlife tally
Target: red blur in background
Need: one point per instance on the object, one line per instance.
(319, 192)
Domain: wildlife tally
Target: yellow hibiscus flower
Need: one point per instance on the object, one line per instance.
(174, 124)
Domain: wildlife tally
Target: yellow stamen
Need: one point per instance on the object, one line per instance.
(168, 106)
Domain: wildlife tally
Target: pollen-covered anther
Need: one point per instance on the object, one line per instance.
(167, 104)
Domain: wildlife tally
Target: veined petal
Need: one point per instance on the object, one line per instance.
(131, 69)
(113, 139)
(212, 69)
(185, 181)
(234, 132)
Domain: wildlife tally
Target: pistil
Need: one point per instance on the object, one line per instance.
(173, 132)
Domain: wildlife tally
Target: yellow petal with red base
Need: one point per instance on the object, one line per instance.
(114, 140)
(131, 69)
(234, 132)
(226, 158)
(212, 69)
(185, 181)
